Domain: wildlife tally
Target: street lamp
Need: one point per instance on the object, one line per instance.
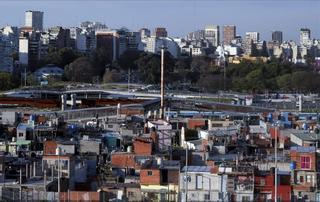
(186, 177)
(276, 125)
(58, 152)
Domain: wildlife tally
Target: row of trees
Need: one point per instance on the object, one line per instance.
(201, 72)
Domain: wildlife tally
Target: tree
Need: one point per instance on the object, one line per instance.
(128, 58)
(149, 67)
(254, 50)
(81, 70)
(61, 57)
(101, 58)
(199, 64)
(5, 81)
(264, 50)
(111, 76)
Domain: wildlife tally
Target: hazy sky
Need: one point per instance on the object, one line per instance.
(178, 16)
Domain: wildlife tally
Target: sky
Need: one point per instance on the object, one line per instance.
(178, 16)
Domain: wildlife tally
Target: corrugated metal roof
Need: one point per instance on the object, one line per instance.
(197, 168)
(303, 149)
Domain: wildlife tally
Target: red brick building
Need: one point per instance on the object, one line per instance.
(143, 146)
(304, 180)
(49, 147)
(264, 185)
(196, 123)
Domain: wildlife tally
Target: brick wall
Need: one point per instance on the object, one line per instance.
(296, 156)
(123, 160)
(142, 147)
(173, 176)
(80, 196)
(150, 176)
(49, 147)
(196, 123)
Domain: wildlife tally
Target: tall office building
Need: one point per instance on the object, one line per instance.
(305, 36)
(250, 42)
(109, 41)
(161, 32)
(34, 19)
(212, 34)
(277, 36)
(229, 34)
(254, 36)
(144, 32)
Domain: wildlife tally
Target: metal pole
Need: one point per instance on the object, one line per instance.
(224, 75)
(276, 166)
(25, 76)
(52, 173)
(129, 80)
(186, 173)
(162, 84)
(20, 196)
(58, 174)
(45, 185)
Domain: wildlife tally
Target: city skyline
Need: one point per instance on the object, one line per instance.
(285, 16)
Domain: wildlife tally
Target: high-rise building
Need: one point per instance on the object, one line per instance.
(29, 49)
(34, 19)
(109, 41)
(305, 36)
(196, 35)
(144, 32)
(250, 42)
(161, 32)
(59, 37)
(229, 34)
(212, 34)
(277, 36)
(254, 36)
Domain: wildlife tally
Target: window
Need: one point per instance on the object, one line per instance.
(149, 173)
(20, 134)
(309, 178)
(199, 181)
(301, 179)
(206, 197)
(305, 162)
(262, 182)
(245, 198)
(130, 193)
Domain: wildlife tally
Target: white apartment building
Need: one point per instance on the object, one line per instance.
(305, 37)
(203, 185)
(212, 34)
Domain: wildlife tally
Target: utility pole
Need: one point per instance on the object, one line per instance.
(58, 153)
(276, 165)
(162, 84)
(45, 184)
(20, 195)
(186, 174)
(129, 80)
(25, 76)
